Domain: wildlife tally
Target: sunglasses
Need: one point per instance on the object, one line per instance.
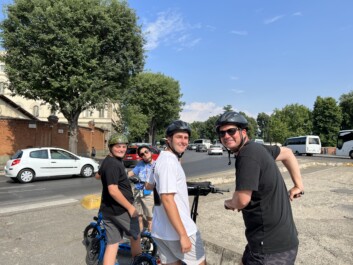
(230, 132)
(144, 153)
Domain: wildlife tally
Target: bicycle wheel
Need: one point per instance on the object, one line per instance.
(89, 233)
(148, 245)
(144, 259)
(93, 249)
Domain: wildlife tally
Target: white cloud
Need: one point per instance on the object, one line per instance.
(237, 91)
(273, 19)
(239, 32)
(297, 14)
(200, 111)
(169, 28)
(234, 77)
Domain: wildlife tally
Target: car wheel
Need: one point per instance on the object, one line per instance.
(351, 154)
(25, 175)
(87, 171)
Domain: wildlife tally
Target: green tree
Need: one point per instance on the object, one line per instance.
(228, 108)
(346, 104)
(209, 131)
(327, 118)
(196, 130)
(71, 54)
(252, 125)
(263, 122)
(158, 97)
(298, 119)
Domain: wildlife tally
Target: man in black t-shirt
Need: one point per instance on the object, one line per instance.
(261, 194)
(119, 215)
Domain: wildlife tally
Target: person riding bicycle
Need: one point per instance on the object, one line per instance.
(119, 215)
(261, 194)
(143, 200)
(174, 231)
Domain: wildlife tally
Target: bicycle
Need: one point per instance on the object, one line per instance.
(95, 237)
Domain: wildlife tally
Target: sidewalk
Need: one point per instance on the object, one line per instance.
(324, 218)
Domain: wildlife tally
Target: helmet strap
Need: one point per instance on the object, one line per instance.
(179, 155)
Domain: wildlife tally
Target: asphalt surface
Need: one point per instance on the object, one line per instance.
(52, 234)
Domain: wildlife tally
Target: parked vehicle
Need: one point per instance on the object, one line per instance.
(206, 142)
(132, 158)
(201, 148)
(308, 144)
(215, 150)
(345, 143)
(27, 164)
(192, 147)
(260, 141)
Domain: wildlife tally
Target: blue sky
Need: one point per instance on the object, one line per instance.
(255, 55)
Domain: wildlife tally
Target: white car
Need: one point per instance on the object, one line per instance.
(215, 150)
(28, 164)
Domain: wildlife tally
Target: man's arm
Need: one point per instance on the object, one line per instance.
(288, 159)
(239, 200)
(120, 198)
(130, 174)
(174, 218)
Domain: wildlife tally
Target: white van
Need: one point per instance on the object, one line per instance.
(308, 144)
(206, 142)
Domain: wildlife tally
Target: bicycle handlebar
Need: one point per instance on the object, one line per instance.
(203, 188)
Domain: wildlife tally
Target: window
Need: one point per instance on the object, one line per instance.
(2, 68)
(35, 111)
(42, 154)
(101, 113)
(59, 154)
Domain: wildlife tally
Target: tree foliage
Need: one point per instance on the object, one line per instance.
(71, 54)
(346, 104)
(263, 122)
(327, 118)
(158, 97)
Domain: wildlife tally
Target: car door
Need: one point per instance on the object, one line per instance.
(38, 160)
(63, 163)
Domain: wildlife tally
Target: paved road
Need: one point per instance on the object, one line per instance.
(324, 218)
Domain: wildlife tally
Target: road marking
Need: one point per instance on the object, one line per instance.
(17, 191)
(16, 187)
(36, 206)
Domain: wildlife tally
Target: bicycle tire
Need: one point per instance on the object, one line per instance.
(89, 233)
(92, 254)
(144, 260)
(148, 245)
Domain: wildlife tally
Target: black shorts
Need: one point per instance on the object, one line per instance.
(282, 258)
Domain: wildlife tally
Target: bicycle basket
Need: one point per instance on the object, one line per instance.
(199, 188)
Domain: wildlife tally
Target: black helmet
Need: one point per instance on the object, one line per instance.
(142, 146)
(231, 117)
(178, 126)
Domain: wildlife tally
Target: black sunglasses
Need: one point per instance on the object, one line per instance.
(230, 132)
(144, 153)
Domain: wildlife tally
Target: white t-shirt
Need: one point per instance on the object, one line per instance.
(169, 177)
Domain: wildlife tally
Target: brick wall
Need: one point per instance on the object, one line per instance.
(19, 133)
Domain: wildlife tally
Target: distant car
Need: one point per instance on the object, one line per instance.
(31, 163)
(201, 148)
(259, 141)
(132, 158)
(192, 147)
(215, 150)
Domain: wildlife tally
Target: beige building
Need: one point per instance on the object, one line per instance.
(103, 118)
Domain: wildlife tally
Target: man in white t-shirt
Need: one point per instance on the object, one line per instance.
(176, 234)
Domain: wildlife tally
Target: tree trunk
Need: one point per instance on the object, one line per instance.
(151, 133)
(73, 124)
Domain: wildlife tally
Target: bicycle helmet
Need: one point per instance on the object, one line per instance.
(178, 126)
(117, 138)
(231, 117)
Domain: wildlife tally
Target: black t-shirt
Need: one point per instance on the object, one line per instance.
(112, 171)
(268, 217)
